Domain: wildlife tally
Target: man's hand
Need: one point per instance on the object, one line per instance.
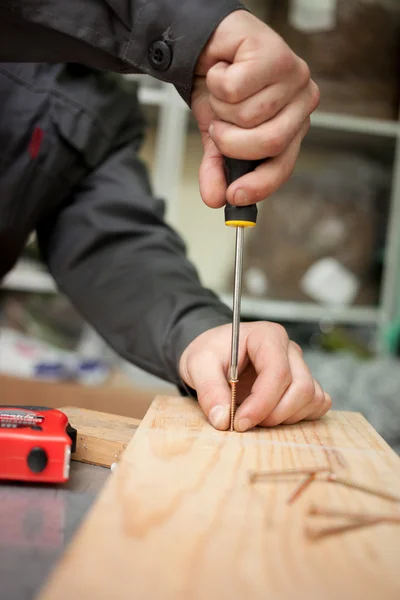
(275, 385)
(252, 99)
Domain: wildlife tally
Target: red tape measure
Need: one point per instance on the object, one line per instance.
(35, 444)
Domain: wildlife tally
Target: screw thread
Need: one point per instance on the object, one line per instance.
(233, 404)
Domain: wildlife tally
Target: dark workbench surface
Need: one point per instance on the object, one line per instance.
(36, 524)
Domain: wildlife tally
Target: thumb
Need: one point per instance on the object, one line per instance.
(211, 174)
(208, 377)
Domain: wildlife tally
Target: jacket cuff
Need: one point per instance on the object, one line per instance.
(168, 47)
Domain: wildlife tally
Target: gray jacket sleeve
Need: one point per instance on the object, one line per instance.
(163, 38)
(125, 270)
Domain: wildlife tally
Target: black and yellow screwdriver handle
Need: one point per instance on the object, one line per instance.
(239, 216)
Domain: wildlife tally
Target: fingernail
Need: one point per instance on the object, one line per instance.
(240, 197)
(219, 416)
(244, 424)
(210, 129)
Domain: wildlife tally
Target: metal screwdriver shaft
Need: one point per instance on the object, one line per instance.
(237, 295)
(240, 217)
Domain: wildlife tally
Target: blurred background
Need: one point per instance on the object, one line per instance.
(324, 258)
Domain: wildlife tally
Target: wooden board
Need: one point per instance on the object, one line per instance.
(101, 437)
(117, 397)
(179, 520)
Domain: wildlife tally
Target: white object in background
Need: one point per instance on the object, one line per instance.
(22, 356)
(313, 16)
(256, 282)
(25, 356)
(29, 276)
(169, 151)
(114, 467)
(328, 234)
(328, 281)
(91, 371)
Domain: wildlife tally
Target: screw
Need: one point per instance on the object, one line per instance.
(233, 404)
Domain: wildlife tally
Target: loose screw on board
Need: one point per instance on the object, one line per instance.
(310, 475)
(316, 511)
(303, 485)
(266, 475)
(332, 477)
(356, 520)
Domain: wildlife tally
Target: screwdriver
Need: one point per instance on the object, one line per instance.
(240, 217)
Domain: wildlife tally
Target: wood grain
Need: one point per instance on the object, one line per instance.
(101, 437)
(179, 519)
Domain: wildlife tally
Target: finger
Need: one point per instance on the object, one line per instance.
(208, 377)
(212, 181)
(316, 404)
(321, 410)
(270, 138)
(262, 106)
(298, 395)
(251, 72)
(267, 349)
(267, 177)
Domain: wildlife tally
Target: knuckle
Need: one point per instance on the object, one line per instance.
(319, 397)
(271, 108)
(283, 376)
(222, 85)
(264, 110)
(315, 96)
(246, 118)
(212, 81)
(275, 143)
(304, 72)
(306, 389)
(221, 140)
(267, 108)
(230, 89)
(278, 330)
(285, 59)
(216, 104)
(273, 420)
(297, 347)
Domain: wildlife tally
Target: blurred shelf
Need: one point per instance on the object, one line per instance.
(355, 124)
(28, 277)
(283, 310)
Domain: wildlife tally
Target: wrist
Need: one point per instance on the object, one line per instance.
(192, 348)
(189, 328)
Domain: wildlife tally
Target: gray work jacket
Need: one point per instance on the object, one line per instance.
(163, 38)
(69, 137)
